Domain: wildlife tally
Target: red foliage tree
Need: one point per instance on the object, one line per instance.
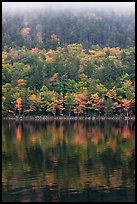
(54, 37)
(25, 32)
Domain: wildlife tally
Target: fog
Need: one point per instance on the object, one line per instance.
(59, 6)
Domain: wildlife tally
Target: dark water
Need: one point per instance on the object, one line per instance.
(68, 161)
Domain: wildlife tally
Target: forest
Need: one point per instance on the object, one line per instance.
(69, 81)
(68, 64)
(84, 26)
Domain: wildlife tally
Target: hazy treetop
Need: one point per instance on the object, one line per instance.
(121, 7)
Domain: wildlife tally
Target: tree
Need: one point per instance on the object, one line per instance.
(128, 89)
(80, 103)
(102, 90)
(126, 105)
(117, 107)
(7, 98)
(46, 98)
(25, 32)
(112, 93)
(96, 102)
(34, 102)
(57, 105)
(132, 106)
(18, 105)
(69, 102)
(108, 104)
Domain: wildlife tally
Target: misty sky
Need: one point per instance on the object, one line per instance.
(18, 6)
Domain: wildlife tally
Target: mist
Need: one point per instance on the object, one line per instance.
(121, 7)
(72, 22)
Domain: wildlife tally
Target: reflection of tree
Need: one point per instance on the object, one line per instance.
(96, 135)
(126, 133)
(80, 134)
(56, 154)
(18, 133)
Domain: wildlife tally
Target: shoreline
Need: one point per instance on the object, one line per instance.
(52, 118)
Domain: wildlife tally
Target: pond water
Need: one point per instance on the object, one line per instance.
(85, 161)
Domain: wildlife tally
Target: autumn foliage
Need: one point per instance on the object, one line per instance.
(80, 102)
(69, 81)
(54, 37)
(25, 32)
(18, 104)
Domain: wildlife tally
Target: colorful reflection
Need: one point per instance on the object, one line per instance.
(67, 161)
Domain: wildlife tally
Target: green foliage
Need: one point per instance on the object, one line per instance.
(60, 82)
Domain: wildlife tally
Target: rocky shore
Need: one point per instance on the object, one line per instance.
(50, 118)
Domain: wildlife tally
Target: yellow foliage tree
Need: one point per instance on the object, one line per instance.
(112, 93)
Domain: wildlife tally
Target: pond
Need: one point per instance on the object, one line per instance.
(65, 161)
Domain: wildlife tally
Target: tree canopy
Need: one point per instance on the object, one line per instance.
(69, 81)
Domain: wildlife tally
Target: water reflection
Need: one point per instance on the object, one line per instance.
(68, 161)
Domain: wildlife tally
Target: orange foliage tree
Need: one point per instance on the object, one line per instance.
(80, 103)
(117, 107)
(112, 93)
(18, 105)
(49, 59)
(96, 102)
(57, 104)
(126, 105)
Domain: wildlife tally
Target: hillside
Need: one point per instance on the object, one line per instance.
(69, 80)
(48, 28)
(75, 60)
